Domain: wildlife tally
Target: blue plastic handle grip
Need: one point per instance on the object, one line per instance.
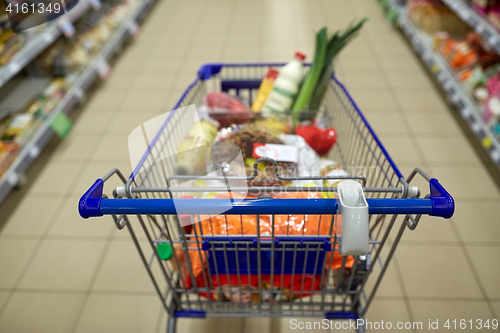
(253, 207)
(91, 204)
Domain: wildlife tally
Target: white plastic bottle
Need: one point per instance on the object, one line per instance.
(286, 87)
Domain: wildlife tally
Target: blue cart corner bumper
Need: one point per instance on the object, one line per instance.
(443, 204)
(207, 70)
(89, 204)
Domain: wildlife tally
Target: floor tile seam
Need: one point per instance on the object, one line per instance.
(93, 278)
(399, 105)
(402, 286)
(186, 52)
(472, 266)
(421, 157)
(148, 56)
(35, 250)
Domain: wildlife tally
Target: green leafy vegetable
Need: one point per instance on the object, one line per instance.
(312, 77)
(314, 87)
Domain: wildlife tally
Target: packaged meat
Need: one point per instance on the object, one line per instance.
(226, 109)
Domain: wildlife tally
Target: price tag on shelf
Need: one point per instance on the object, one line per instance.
(391, 15)
(486, 142)
(96, 4)
(465, 112)
(67, 28)
(454, 98)
(79, 94)
(414, 41)
(495, 155)
(61, 125)
(463, 13)
(475, 127)
(435, 68)
(103, 69)
(492, 41)
(441, 77)
(13, 179)
(133, 28)
(49, 37)
(35, 151)
(447, 85)
(479, 29)
(427, 56)
(14, 68)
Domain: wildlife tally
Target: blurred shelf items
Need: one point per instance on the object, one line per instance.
(46, 70)
(460, 43)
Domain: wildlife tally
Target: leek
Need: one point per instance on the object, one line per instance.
(312, 77)
(314, 88)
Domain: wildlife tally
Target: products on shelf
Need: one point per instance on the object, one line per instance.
(63, 60)
(10, 44)
(482, 6)
(433, 16)
(68, 56)
(477, 69)
(494, 16)
(20, 127)
(8, 153)
(489, 10)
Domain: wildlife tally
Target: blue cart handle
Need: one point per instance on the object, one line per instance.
(440, 203)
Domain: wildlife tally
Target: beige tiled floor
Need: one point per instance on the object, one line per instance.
(59, 273)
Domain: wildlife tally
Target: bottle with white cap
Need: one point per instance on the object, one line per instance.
(286, 86)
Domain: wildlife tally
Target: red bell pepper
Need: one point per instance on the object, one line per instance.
(319, 139)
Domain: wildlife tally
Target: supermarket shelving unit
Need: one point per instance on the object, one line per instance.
(33, 149)
(39, 43)
(422, 44)
(475, 21)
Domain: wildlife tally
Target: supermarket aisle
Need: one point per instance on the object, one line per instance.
(63, 274)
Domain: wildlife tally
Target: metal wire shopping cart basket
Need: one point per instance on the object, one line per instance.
(264, 273)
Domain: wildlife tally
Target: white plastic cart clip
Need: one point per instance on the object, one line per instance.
(354, 210)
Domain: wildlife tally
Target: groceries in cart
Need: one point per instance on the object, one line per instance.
(193, 150)
(285, 127)
(285, 87)
(264, 89)
(226, 109)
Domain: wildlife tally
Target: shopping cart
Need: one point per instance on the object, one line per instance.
(273, 274)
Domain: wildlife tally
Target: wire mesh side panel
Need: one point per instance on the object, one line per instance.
(358, 151)
(255, 265)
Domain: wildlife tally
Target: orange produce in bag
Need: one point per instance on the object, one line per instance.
(298, 225)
